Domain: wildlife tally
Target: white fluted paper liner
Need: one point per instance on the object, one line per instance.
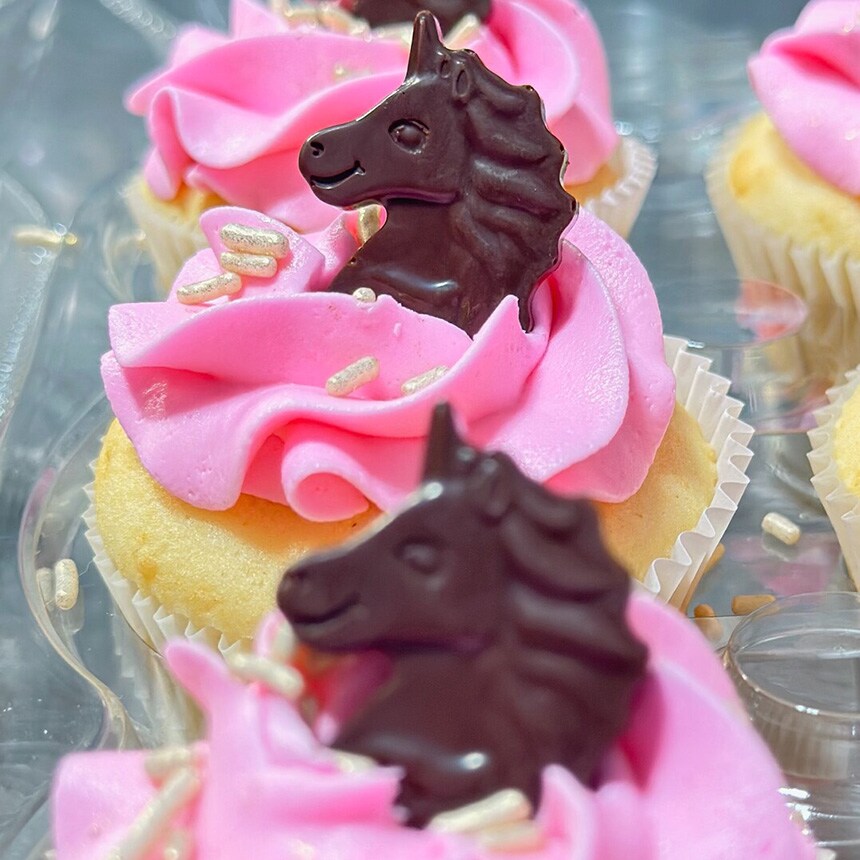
(170, 239)
(762, 254)
(147, 617)
(840, 504)
(704, 395)
(619, 206)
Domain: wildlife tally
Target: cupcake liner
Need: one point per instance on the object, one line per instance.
(619, 206)
(704, 395)
(760, 253)
(671, 579)
(170, 238)
(840, 504)
(146, 616)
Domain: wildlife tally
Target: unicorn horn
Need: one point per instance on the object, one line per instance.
(426, 44)
(447, 454)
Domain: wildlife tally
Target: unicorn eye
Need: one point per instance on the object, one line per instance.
(421, 556)
(409, 134)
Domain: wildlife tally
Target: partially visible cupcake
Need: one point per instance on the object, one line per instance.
(835, 461)
(786, 185)
(228, 115)
(528, 705)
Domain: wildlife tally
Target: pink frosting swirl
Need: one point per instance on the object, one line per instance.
(230, 397)
(229, 113)
(689, 777)
(808, 79)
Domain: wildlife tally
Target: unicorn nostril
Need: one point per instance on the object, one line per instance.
(317, 148)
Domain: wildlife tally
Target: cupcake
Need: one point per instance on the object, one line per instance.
(529, 706)
(786, 184)
(836, 466)
(299, 395)
(228, 115)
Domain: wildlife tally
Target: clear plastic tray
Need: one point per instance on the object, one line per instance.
(89, 683)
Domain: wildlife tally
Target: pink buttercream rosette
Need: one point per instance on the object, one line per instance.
(269, 786)
(230, 112)
(808, 81)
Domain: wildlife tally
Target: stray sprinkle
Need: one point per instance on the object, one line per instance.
(416, 383)
(65, 584)
(353, 376)
(227, 284)
(744, 604)
(28, 234)
(781, 527)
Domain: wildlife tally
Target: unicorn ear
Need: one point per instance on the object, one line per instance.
(447, 454)
(426, 42)
(461, 84)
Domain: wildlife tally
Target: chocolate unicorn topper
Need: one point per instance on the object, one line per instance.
(469, 176)
(504, 618)
(380, 13)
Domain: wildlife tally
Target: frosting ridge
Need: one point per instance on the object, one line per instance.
(808, 80)
(595, 352)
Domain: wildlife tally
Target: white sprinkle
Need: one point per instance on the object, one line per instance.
(227, 284)
(507, 806)
(65, 584)
(255, 265)
(369, 222)
(463, 32)
(423, 379)
(781, 527)
(177, 846)
(164, 762)
(253, 240)
(364, 295)
(513, 838)
(28, 234)
(301, 16)
(283, 643)
(156, 816)
(353, 763)
(353, 376)
(336, 19)
(280, 679)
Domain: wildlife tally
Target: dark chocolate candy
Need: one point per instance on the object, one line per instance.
(504, 618)
(379, 13)
(469, 176)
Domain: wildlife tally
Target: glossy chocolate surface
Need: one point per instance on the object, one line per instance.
(504, 618)
(469, 177)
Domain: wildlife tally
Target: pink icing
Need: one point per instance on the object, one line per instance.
(808, 79)
(689, 777)
(229, 113)
(230, 397)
